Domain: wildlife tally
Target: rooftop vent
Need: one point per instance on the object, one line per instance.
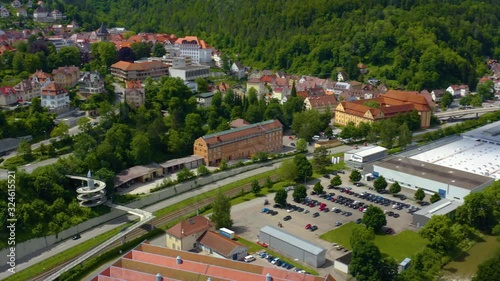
(159, 277)
(269, 277)
(178, 260)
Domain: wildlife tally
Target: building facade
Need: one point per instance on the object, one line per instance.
(389, 105)
(293, 246)
(414, 174)
(91, 83)
(190, 73)
(219, 246)
(125, 71)
(55, 97)
(204, 99)
(191, 46)
(8, 96)
(135, 94)
(184, 235)
(28, 89)
(240, 143)
(66, 76)
(321, 103)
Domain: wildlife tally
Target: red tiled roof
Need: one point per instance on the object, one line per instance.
(53, 89)
(267, 78)
(193, 225)
(218, 243)
(133, 84)
(239, 123)
(7, 90)
(252, 129)
(317, 101)
(66, 70)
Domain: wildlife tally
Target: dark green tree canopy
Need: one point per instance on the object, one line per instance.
(374, 218)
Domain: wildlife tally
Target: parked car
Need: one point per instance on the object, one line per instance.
(326, 176)
(359, 184)
(395, 215)
(308, 226)
(76, 237)
(315, 215)
(287, 218)
(389, 231)
(338, 223)
(358, 221)
(314, 228)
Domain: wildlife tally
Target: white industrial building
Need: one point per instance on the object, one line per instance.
(293, 246)
(342, 264)
(448, 182)
(441, 207)
(190, 72)
(364, 154)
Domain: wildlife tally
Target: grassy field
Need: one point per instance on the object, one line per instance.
(398, 246)
(64, 256)
(253, 248)
(466, 265)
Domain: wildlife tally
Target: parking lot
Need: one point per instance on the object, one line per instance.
(249, 218)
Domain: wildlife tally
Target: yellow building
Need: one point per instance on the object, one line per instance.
(390, 105)
(184, 235)
(66, 76)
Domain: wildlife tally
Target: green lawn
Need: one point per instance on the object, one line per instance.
(466, 265)
(398, 246)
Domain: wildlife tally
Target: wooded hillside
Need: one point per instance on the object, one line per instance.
(414, 44)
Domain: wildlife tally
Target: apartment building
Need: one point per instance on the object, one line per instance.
(135, 94)
(66, 76)
(55, 97)
(240, 143)
(125, 71)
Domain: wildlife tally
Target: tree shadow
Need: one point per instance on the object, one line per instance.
(240, 229)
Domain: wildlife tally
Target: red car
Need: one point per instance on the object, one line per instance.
(290, 137)
(361, 209)
(308, 226)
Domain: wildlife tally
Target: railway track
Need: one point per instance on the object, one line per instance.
(156, 223)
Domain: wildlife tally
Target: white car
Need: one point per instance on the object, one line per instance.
(275, 260)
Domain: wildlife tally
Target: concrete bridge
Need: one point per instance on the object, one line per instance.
(465, 112)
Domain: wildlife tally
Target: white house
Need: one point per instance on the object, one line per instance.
(55, 97)
(238, 69)
(458, 90)
(16, 4)
(21, 12)
(193, 47)
(4, 13)
(437, 95)
(204, 99)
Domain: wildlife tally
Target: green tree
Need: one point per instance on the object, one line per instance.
(438, 230)
(301, 145)
(84, 124)
(435, 197)
(374, 218)
(476, 101)
(405, 135)
(293, 93)
(299, 193)
(486, 90)
(446, 100)
(355, 176)
(105, 53)
(320, 159)
(24, 148)
(268, 183)
(288, 170)
(141, 149)
(280, 197)
(18, 63)
(419, 194)
(365, 261)
(221, 214)
(307, 123)
(66, 56)
(489, 269)
(336, 181)
(395, 188)
(256, 187)
(159, 50)
(388, 133)
(202, 85)
(380, 184)
(480, 209)
(61, 130)
(141, 49)
(223, 165)
(304, 167)
(203, 171)
(318, 188)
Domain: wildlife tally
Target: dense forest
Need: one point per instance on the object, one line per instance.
(414, 44)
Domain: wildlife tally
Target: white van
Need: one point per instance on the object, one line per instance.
(249, 258)
(316, 137)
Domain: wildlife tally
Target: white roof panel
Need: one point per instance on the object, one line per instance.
(294, 240)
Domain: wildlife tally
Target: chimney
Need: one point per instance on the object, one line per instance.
(269, 277)
(159, 277)
(178, 260)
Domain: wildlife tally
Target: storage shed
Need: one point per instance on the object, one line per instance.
(293, 246)
(364, 154)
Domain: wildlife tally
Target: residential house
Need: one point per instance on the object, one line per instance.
(41, 77)
(29, 4)
(28, 89)
(258, 85)
(192, 47)
(438, 94)
(390, 104)
(238, 70)
(102, 34)
(218, 60)
(458, 90)
(60, 42)
(204, 99)
(342, 77)
(184, 235)
(57, 15)
(16, 4)
(66, 76)
(135, 94)
(223, 87)
(216, 245)
(42, 15)
(8, 96)
(240, 143)
(125, 71)
(280, 93)
(4, 13)
(363, 69)
(21, 13)
(55, 97)
(4, 47)
(340, 87)
(354, 94)
(91, 83)
(321, 103)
